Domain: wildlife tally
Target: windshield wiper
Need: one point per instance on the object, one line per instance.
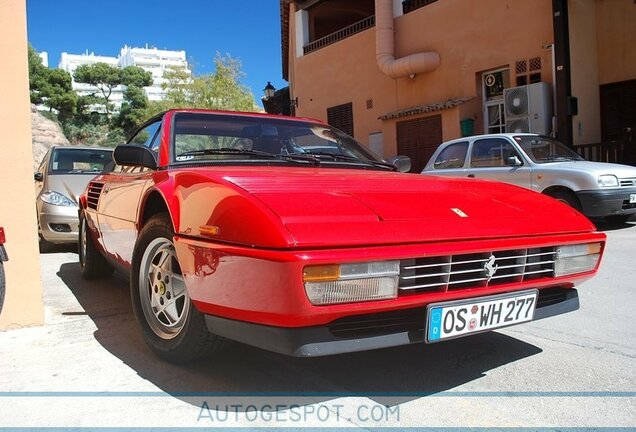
(344, 158)
(84, 171)
(560, 158)
(230, 151)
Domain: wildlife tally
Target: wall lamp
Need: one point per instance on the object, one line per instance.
(270, 90)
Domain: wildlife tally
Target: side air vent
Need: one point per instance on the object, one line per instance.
(94, 192)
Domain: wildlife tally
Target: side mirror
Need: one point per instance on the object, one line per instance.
(134, 155)
(38, 176)
(401, 163)
(513, 161)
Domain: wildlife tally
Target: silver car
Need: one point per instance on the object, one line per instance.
(543, 165)
(61, 178)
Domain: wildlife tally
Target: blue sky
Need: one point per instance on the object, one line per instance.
(248, 30)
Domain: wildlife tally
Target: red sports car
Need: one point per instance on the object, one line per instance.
(288, 235)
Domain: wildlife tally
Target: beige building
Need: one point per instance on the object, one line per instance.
(403, 76)
(23, 302)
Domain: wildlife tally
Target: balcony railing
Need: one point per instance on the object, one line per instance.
(411, 5)
(612, 151)
(340, 34)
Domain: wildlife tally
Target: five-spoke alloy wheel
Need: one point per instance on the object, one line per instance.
(170, 324)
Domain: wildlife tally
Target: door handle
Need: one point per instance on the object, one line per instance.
(471, 175)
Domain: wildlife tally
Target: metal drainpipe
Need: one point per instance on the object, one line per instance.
(385, 47)
(562, 79)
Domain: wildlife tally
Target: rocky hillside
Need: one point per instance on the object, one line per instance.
(45, 133)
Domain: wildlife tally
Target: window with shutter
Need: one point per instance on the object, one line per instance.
(341, 117)
(418, 139)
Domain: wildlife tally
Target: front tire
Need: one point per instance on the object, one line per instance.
(566, 197)
(93, 264)
(171, 326)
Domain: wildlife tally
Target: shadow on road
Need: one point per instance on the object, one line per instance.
(613, 225)
(389, 377)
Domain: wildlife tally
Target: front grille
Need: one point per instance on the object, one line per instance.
(92, 197)
(627, 205)
(552, 296)
(379, 323)
(628, 182)
(414, 319)
(478, 270)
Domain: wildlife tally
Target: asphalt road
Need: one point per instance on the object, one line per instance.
(89, 367)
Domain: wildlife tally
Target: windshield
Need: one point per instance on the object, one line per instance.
(200, 137)
(80, 161)
(545, 150)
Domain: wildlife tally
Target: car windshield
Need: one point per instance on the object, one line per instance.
(80, 161)
(546, 150)
(201, 137)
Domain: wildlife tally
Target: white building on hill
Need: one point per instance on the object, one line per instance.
(152, 60)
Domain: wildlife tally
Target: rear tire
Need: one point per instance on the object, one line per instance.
(93, 264)
(171, 326)
(45, 246)
(566, 197)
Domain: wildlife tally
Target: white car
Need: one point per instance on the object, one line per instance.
(544, 165)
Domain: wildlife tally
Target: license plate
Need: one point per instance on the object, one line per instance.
(632, 198)
(463, 317)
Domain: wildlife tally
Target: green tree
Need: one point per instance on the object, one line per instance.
(219, 90)
(101, 75)
(135, 76)
(133, 110)
(51, 87)
(58, 93)
(37, 73)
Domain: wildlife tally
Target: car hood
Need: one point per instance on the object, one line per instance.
(70, 185)
(330, 207)
(598, 168)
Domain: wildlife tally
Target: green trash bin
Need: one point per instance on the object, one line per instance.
(467, 127)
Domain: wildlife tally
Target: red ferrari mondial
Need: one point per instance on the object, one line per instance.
(288, 235)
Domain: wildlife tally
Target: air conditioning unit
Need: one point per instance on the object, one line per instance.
(529, 108)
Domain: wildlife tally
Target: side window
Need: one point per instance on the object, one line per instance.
(452, 156)
(491, 152)
(156, 142)
(44, 163)
(145, 136)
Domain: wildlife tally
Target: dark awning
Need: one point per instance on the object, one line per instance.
(428, 108)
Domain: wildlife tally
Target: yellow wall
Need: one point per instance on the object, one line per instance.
(616, 40)
(470, 36)
(586, 126)
(23, 302)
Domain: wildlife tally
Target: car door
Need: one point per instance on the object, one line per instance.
(496, 158)
(119, 201)
(449, 161)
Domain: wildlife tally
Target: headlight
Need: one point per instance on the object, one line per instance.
(55, 198)
(578, 258)
(348, 283)
(608, 181)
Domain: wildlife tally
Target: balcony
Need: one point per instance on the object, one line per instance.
(411, 5)
(340, 35)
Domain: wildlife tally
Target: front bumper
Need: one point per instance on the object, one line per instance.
(59, 225)
(602, 203)
(362, 332)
